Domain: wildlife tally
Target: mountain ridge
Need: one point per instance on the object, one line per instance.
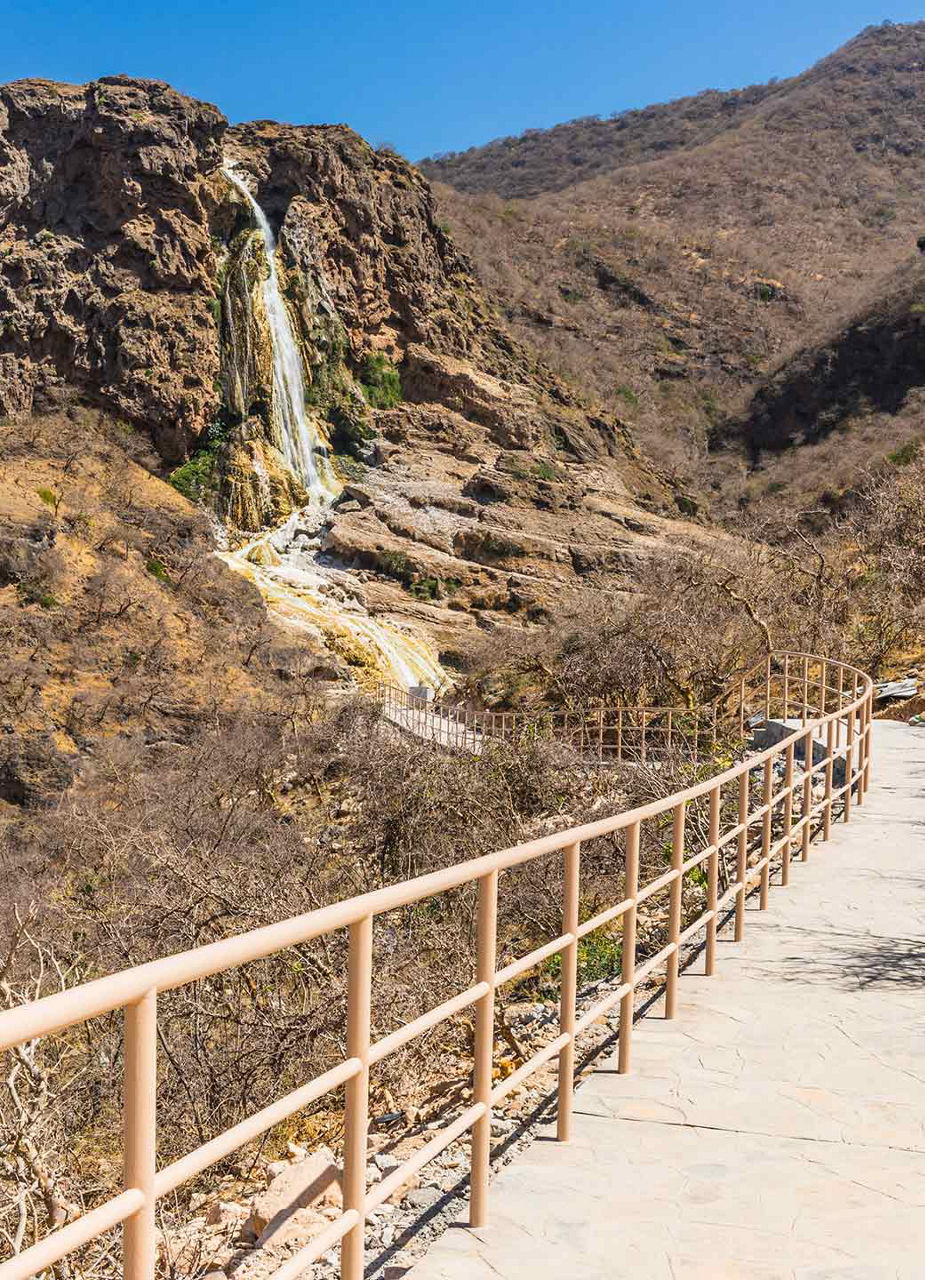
(673, 287)
(515, 166)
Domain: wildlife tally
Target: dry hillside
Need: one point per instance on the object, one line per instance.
(718, 235)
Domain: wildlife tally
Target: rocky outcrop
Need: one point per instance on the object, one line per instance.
(126, 257)
(256, 487)
(33, 772)
(365, 219)
(106, 264)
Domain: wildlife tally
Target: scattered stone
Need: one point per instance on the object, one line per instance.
(413, 1180)
(295, 1228)
(423, 1197)
(390, 1117)
(308, 1184)
(888, 690)
(225, 1212)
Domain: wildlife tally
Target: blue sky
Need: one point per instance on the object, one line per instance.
(428, 77)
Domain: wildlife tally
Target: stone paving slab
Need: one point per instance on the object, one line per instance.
(777, 1127)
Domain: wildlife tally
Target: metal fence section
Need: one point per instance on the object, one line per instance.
(775, 796)
(607, 734)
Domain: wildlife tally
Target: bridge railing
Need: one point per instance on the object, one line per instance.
(762, 810)
(607, 734)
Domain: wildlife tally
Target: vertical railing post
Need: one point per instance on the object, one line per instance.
(824, 687)
(849, 765)
(356, 1118)
(486, 947)
(839, 694)
(862, 747)
(674, 910)
(712, 881)
(786, 685)
(568, 990)
(642, 722)
(829, 762)
(767, 689)
(139, 1134)
(788, 815)
(768, 790)
(742, 856)
(600, 736)
(805, 715)
(869, 732)
(627, 1003)
(669, 731)
(857, 742)
(807, 794)
(619, 735)
(742, 707)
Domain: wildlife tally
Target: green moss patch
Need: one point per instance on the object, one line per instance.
(380, 382)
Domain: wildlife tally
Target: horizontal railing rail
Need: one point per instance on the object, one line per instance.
(840, 698)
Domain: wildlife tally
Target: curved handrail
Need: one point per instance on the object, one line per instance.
(136, 990)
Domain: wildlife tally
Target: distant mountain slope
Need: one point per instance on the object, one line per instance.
(838, 405)
(551, 159)
(541, 160)
(871, 364)
(672, 287)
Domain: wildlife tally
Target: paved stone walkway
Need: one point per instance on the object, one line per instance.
(776, 1128)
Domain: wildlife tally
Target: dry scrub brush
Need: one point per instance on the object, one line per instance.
(166, 846)
(848, 583)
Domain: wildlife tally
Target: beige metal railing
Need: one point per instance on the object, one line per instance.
(608, 734)
(833, 702)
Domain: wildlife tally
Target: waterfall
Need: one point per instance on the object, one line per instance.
(300, 592)
(296, 435)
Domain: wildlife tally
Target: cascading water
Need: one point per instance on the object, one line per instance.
(283, 563)
(325, 603)
(297, 437)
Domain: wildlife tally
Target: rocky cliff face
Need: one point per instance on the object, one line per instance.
(131, 276)
(106, 262)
